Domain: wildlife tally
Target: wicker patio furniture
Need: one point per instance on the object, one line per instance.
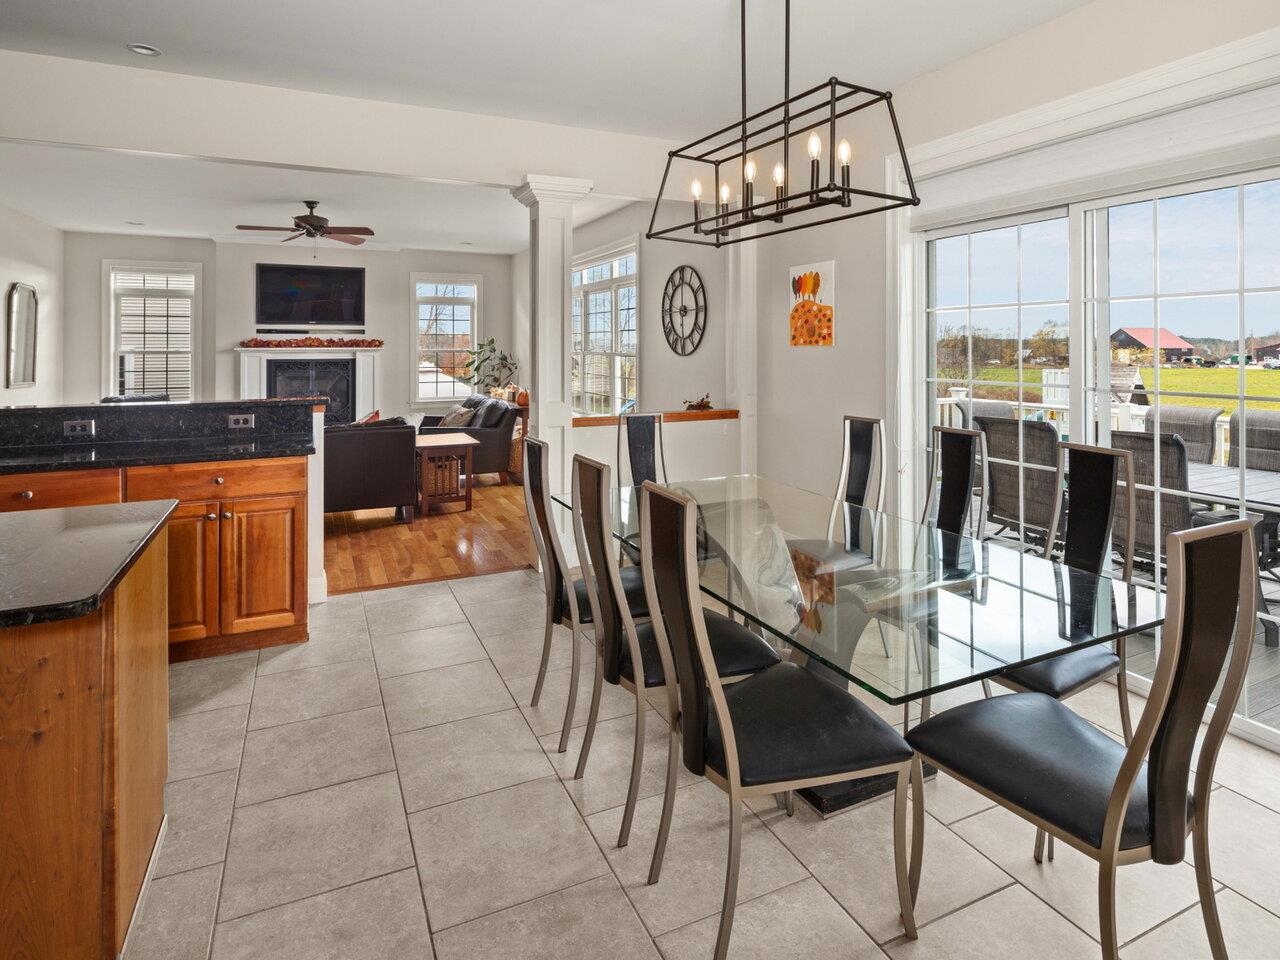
(1195, 425)
(1041, 485)
(1175, 505)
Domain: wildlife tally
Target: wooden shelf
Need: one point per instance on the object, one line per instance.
(674, 416)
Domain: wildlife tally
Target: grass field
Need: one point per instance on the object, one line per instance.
(1219, 380)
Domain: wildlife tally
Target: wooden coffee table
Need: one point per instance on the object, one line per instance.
(444, 469)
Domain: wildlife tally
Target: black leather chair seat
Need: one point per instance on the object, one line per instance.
(1034, 752)
(737, 650)
(829, 556)
(792, 725)
(632, 586)
(1062, 676)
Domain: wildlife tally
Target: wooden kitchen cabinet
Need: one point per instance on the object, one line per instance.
(59, 488)
(194, 538)
(263, 563)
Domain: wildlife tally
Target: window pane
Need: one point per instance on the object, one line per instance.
(627, 320)
(994, 266)
(1044, 260)
(1198, 241)
(949, 273)
(1132, 250)
(995, 344)
(575, 324)
(600, 321)
(1262, 234)
(951, 345)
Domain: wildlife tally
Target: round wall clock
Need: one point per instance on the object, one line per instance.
(684, 310)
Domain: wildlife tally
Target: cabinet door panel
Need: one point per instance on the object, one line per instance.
(194, 533)
(263, 563)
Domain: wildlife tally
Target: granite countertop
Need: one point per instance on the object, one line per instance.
(60, 564)
(136, 453)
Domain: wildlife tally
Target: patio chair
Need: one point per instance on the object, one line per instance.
(1037, 505)
(1175, 505)
(973, 409)
(1261, 442)
(1197, 426)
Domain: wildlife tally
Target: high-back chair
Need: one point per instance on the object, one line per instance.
(564, 606)
(1125, 804)
(859, 488)
(1197, 426)
(640, 440)
(781, 729)
(1175, 503)
(957, 466)
(626, 651)
(1024, 479)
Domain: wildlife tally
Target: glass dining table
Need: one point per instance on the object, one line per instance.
(899, 608)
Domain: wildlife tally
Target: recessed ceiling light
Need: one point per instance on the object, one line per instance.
(466, 243)
(143, 49)
(135, 223)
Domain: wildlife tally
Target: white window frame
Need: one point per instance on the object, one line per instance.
(110, 345)
(630, 248)
(477, 314)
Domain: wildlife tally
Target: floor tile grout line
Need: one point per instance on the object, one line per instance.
(322, 716)
(432, 726)
(318, 893)
(323, 786)
(523, 903)
(473, 796)
(413, 847)
(1246, 898)
(901, 938)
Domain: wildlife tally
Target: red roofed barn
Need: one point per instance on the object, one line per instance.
(1172, 346)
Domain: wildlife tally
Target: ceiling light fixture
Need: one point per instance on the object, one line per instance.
(143, 49)
(799, 121)
(135, 223)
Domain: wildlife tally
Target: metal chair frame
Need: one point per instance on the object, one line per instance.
(909, 773)
(978, 482)
(1109, 855)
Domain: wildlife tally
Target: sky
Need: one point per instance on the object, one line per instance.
(1159, 251)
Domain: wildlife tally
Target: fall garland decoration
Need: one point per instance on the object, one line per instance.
(258, 342)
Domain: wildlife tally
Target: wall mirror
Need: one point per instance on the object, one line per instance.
(21, 341)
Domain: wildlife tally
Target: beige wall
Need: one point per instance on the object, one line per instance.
(31, 253)
(1101, 42)
(667, 379)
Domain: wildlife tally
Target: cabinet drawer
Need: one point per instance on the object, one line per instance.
(60, 488)
(221, 481)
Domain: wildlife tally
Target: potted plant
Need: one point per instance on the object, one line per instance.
(488, 368)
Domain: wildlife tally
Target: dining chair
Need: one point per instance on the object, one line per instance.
(641, 435)
(1114, 803)
(568, 607)
(781, 729)
(957, 467)
(859, 487)
(626, 651)
(1024, 479)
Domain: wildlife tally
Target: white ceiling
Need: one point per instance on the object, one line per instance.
(659, 67)
(100, 191)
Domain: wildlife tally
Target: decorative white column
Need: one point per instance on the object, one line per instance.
(550, 201)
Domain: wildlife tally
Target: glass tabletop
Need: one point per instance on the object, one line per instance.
(900, 608)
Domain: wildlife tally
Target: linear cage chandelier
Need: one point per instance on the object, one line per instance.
(820, 119)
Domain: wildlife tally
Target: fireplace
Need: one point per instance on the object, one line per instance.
(333, 378)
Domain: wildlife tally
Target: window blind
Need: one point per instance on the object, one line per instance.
(154, 315)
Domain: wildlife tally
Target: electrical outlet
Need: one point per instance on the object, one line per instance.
(78, 428)
(240, 421)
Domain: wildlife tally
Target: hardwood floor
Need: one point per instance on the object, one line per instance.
(367, 549)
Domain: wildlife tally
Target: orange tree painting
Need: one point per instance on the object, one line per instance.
(813, 315)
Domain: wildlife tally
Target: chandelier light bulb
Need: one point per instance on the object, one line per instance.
(749, 171)
(695, 188)
(724, 193)
(779, 175)
(844, 153)
(815, 146)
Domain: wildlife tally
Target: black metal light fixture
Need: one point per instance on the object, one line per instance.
(734, 152)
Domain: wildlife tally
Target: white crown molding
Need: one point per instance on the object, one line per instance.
(1223, 71)
(538, 188)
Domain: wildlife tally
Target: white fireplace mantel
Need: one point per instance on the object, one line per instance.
(253, 369)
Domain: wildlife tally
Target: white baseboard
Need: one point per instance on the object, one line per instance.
(317, 589)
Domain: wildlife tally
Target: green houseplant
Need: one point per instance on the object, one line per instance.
(488, 367)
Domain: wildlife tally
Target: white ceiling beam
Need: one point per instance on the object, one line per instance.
(81, 103)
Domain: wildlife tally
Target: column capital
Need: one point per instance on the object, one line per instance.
(538, 188)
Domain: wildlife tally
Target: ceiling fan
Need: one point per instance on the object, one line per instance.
(311, 224)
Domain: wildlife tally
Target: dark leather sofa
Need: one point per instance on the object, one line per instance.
(492, 424)
(370, 465)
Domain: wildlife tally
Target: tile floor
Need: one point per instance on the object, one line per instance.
(386, 791)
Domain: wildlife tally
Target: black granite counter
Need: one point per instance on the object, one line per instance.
(33, 439)
(60, 564)
(139, 453)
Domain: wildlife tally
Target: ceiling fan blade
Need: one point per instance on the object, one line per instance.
(357, 231)
(354, 241)
(294, 237)
(242, 226)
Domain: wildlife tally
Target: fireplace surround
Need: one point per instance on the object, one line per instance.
(332, 377)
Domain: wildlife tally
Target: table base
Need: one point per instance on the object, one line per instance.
(833, 798)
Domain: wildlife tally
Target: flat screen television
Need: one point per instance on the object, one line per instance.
(293, 297)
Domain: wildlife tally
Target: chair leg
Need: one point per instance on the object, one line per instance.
(1038, 853)
(1107, 909)
(1049, 848)
(791, 803)
(668, 805)
(901, 858)
(884, 642)
(1204, 880)
(637, 760)
(917, 825)
(730, 878)
(575, 669)
(597, 683)
(546, 658)
(1122, 688)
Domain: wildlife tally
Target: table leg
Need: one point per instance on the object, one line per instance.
(423, 464)
(467, 463)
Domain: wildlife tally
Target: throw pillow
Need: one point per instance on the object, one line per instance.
(458, 416)
(373, 417)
